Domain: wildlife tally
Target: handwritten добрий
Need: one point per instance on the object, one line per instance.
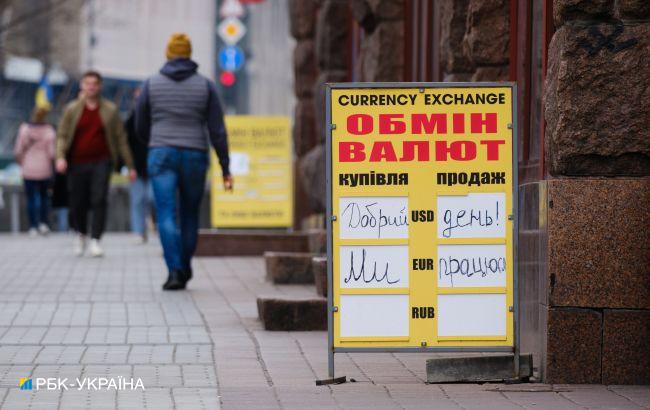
(372, 215)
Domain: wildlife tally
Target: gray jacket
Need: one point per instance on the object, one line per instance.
(178, 107)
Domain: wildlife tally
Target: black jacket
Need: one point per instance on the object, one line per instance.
(138, 146)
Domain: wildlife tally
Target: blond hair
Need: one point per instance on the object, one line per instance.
(39, 114)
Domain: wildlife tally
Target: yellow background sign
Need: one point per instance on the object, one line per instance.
(261, 164)
(422, 192)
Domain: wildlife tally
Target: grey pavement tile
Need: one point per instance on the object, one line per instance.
(474, 396)
(147, 335)
(232, 340)
(159, 375)
(183, 313)
(639, 395)
(31, 399)
(15, 296)
(105, 354)
(106, 335)
(541, 400)
(9, 310)
(196, 398)
(10, 375)
(422, 402)
(41, 297)
(64, 335)
(142, 295)
(292, 379)
(241, 378)
(90, 371)
(153, 398)
(199, 375)
(23, 335)
(357, 395)
(73, 296)
(398, 379)
(307, 395)
(151, 354)
(598, 397)
(108, 314)
(15, 354)
(60, 355)
(188, 334)
(249, 404)
(221, 354)
(67, 371)
(191, 353)
(75, 399)
(35, 314)
(145, 314)
(71, 314)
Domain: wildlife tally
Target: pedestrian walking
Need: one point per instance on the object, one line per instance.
(90, 143)
(140, 189)
(34, 151)
(179, 110)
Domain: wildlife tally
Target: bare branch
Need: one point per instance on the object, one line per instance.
(29, 16)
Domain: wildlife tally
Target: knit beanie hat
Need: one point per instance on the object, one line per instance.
(179, 46)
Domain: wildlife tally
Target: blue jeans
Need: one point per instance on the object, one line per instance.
(38, 201)
(178, 179)
(61, 215)
(140, 201)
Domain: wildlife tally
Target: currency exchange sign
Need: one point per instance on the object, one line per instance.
(421, 216)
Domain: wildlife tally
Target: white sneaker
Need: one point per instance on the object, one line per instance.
(79, 245)
(33, 232)
(95, 250)
(43, 229)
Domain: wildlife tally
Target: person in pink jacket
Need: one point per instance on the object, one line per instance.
(34, 151)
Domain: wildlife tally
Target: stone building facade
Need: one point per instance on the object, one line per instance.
(584, 106)
(474, 40)
(585, 227)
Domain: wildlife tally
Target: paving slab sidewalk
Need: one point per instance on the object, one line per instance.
(68, 317)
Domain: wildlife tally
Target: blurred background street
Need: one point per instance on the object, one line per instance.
(125, 40)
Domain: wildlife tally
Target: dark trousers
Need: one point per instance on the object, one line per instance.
(38, 201)
(88, 192)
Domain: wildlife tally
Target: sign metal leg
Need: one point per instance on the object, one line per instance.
(330, 372)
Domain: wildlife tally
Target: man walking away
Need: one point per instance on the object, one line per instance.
(91, 139)
(178, 109)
